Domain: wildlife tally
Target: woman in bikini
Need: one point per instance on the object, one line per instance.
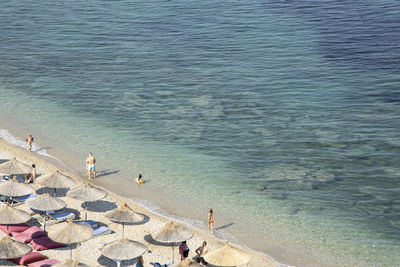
(210, 221)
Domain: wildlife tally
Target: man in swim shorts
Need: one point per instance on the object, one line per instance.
(90, 166)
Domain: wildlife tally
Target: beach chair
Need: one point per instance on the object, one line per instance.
(102, 230)
(62, 216)
(24, 198)
(97, 230)
(91, 223)
(53, 217)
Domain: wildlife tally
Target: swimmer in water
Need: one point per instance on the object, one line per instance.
(139, 180)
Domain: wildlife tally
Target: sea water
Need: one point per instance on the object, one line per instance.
(283, 116)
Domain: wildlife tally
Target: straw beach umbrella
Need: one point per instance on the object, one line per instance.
(86, 193)
(11, 249)
(10, 215)
(186, 263)
(56, 180)
(123, 249)
(172, 233)
(227, 256)
(13, 188)
(70, 233)
(124, 214)
(45, 202)
(13, 166)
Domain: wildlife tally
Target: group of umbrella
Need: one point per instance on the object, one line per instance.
(69, 232)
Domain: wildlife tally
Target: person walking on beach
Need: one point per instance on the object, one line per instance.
(91, 165)
(29, 141)
(210, 221)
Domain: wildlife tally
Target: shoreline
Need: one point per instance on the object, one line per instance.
(52, 163)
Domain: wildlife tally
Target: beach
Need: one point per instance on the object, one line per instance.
(281, 116)
(87, 251)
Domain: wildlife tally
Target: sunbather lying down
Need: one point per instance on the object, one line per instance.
(157, 264)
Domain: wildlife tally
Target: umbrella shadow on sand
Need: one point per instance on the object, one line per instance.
(61, 192)
(7, 263)
(104, 261)
(150, 240)
(145, 220)
(99, 205)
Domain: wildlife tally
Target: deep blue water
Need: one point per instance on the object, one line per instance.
(298, 99)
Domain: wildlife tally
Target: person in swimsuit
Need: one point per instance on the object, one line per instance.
(139, 180)
(210, 221)
(90, 166)
(32, 176)
(201, 251)
(29, 141)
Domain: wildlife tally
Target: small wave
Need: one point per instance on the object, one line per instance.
(8, 137)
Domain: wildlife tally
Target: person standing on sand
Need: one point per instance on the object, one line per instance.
(210, 221)
(90, 166)
(139, 261)
(29, 141)
(183, 250)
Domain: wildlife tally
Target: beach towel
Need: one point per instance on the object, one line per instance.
(44, 242)
(30, 258)
(13, 227)
(44, 263)
(27, 235)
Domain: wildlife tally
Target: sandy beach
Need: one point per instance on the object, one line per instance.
(87, 252)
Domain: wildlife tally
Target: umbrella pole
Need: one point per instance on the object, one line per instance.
(86, 204)
(55, 192)
(173, 256)
(123, 226)
(118, 263)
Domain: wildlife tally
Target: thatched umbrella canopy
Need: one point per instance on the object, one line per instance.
(124, 214)
(86, 193)
(11, 249)
(70, 263)
(70, 233)
(46, 202)
(13, 166)
(13, 188)
(56, 180)
(227, 256)
(10, 215)
(172, 233)
(123, 249)
(186, 263)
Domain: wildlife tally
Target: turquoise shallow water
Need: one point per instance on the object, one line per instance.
(280, 114)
